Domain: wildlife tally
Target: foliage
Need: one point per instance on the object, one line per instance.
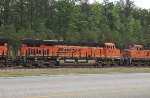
(75, 20)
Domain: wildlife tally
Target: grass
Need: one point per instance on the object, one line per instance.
(33, 72)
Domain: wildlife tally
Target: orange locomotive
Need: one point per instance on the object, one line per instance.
(137, 55)
(51, 53)
(5, 52)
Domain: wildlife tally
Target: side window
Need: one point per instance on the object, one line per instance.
(26, 52)
(110, 47)
(37, 51)
(43, 52)
(139, 48)
(47, 51)
(29, 51)
(3, 52)
(34, 51)
(107, 47)
(113, 47)
(148, 53)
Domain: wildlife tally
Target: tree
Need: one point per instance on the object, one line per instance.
(72, 20)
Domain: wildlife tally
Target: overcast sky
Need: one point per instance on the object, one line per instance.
(139, 3)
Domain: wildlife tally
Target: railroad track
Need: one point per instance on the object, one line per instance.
(71, 67)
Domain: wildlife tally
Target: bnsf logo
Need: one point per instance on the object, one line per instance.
(69, 50)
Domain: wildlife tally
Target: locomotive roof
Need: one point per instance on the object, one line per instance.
(109, 44)
(60, 42)
(141, 46)
(31, 41)
(89, 44)
(3, 40)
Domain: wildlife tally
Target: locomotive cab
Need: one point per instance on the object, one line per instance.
(136, 47)
(111, 51)
(112, 55)
(109, 46)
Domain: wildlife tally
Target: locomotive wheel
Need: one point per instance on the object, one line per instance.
(2, 65)
(116, 65)
(132, 64)
(99, 65)
(139, 64)
(27, 65)
(108, 64)
(145, 65)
